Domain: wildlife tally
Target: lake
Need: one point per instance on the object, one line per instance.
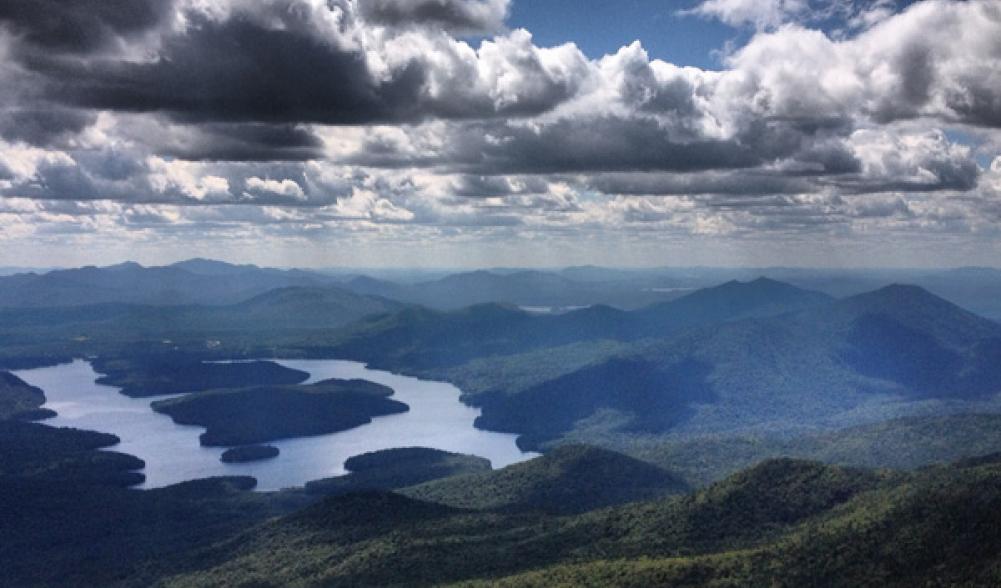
(437, 419)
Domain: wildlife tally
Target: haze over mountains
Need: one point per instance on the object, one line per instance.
(738, 356)
(195, 281)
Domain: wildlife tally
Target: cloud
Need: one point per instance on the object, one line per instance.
(582, 144)
(455, 16)
(43, 126)
(81, 25)
(240, 70)
(281, 188)
(841, 15)
(735, 183)
(236, 142)
(471, 186)
(268, 63)
(430, 115)
(910, 161)
(761, 14)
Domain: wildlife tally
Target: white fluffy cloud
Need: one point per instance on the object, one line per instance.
(761, 14)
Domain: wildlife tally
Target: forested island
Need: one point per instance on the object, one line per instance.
(248, 453)
(391, 469)
(258, 414)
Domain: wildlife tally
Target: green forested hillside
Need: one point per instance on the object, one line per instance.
(64, 456)
(904, 443)
(18, 400)
(57, 533)
(782, 522)
(785, 522)
(571, 478)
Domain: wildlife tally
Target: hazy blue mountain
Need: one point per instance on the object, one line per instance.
(530, 288)
(376, 287)
(192, 282)
(211, 267)
(427, 338)
(280, 309)
(14, 270)
(730, 301)
(839, 363)
(305, 307)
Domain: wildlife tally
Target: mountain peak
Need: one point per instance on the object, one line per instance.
(759, 284)
(899, 294)
(918, 310)
(758, 292)
(201, 265)
(124, 266)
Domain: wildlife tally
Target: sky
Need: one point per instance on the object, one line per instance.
(478, 133)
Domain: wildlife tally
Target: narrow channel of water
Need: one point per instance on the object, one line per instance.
(172, 453)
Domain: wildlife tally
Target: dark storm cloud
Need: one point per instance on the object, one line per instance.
(458, 16)
(238, 70)
(270, 64)
(242, 142)
(43, 125)
(824, 157)
(493, 186)
(955, 175)
(80, 25)
(733, 183)
(579, 144)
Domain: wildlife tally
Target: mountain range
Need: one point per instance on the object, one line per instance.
(716, 436)
(738, 356)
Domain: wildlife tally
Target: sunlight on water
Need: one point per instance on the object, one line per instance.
(172, 453)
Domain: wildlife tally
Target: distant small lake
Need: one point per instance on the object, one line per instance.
(552, 309)
(172, 453)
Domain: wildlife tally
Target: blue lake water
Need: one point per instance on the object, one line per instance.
(172, 453)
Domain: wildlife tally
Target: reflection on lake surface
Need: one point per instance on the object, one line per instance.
(172, 453)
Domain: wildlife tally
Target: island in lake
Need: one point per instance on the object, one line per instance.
(390, 469)
(248, 453)
(259, 414)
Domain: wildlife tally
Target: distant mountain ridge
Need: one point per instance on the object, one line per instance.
(741, 355)
(427, 338)
(190, 282)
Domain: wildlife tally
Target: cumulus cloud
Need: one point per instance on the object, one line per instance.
(852, 15)
(300, 61)
(432, 113)
(81, 25)
(910, 161)
(456, 16)
(281, 188)
(761, 14)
